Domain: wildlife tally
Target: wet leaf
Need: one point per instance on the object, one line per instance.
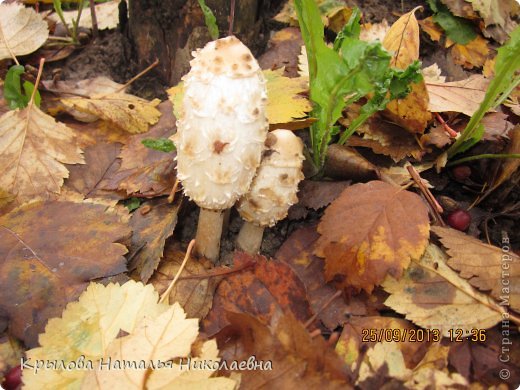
(22, 30)
(49, 252)
(150, 231)
(434, 296)
(372, 230)
(403, 40)
(124, 111)
(33, 149)
(483, 265)
(260, 290)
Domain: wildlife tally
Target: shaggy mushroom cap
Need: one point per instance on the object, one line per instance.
(275, 186)
(221, 134)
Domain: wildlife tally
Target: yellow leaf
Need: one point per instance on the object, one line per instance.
(451, 304)
(22, 30)
(33, 149)
(431, 28)
(126, 112)
(472, 55)
(284, 102)
(403, 41)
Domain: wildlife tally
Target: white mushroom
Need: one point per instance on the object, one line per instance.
(273, 190)
(221, 134)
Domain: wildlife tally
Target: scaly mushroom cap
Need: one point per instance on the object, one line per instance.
(276, 183)
(221, 134)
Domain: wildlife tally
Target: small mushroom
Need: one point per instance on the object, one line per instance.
(220, 136)
(273, 190)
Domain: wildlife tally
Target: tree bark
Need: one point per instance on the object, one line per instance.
(169, 30)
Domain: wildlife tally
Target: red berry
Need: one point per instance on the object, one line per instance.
(13, 378)
(459, 219)
(461, 172)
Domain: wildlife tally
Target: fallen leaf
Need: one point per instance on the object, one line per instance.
(434, 296)
(497, 15)
(87, 87)
(372, 230)
(436, 136)
(432, 74)
(297, 360)
(403, 40)
(496, 126)
(483, 265)
(143, 170)
(11, 351)
(374, 32)
(401, 176)
(22, 30)
(124, 111)
(33, 149)
(283, 50)
(193, 290)
(49, 253)
(315, 194)
(107, 16)
(460, 96)
(472, 55)
(260, 290)
(345, 163)
(150, 231)
(431, 28)
(509, 166)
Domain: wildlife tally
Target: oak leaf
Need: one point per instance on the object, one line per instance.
(402, 39)
(482, 264)
(49, 251)
(33, 149)
(124, 111)
(434, 296)
(22, 30)
(371, 230)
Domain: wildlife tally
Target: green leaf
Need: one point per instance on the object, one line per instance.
(13, 92)
(160, 144)
(28, 87)
(505, 81)
(132, 204)
(210, 20)
(458, 29)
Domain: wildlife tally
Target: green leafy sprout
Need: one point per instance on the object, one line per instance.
(458, 29)
(210, 20)
(344, 74)
(13, 94)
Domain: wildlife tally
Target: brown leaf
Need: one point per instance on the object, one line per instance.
(471, 55)
(509, 166)
(260, 290)
(346, 163)
(49, 252)
(496, 126)
(150, 231)
(483, 265)
(372, 230)
(403, 40)
(192, 290)
(146, 171)
(283, 50)
(437, 136)
(431, 28)
(297, 360)
(318, 194)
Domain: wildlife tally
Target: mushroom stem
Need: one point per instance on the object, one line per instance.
(209, 230)
(250, 238)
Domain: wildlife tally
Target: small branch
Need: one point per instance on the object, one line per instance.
(95, 31)
(140, 74)
(171, 197)
(40, 71)
(219, 272)
(231, 17)
(327, 303)
(452, 133)
(432, 202)
(181, 268)
(481, 156)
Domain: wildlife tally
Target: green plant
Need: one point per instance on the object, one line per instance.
(344, 74)
(505, 81)
(75, 23)
(13, 94)
(458, 29)
(160, 144)
(210, 20)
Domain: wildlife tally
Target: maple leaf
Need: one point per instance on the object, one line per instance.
(260, 290)
(371, 230)
(49, 251)
(124, 111)
(434, 296)
(402, 39)
(22, 30)
(33, 149)
(90, 328)
(482, 264)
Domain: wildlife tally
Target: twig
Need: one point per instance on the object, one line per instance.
(327, 303)
(432, 202)
(231, 17)
(452, 133)
(171, 197)
(40, 71)
(170, 287)
(140, 74)
(219, 272)
(94, 19)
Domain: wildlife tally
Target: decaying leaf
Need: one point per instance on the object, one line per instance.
(434, 296)
(33, 149)
(49, 251)
(345, 163)
(483, 265)
(89, 328)
(472, 55)
(107, 16)
(497, 15)
(87, 87)
(372, 230)
(263, 289)
(22, 30)
(297, 360)
(124, 111)
(403, 40)
(283, 50)
(431, 28)
(150, 231)
(460, 96)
